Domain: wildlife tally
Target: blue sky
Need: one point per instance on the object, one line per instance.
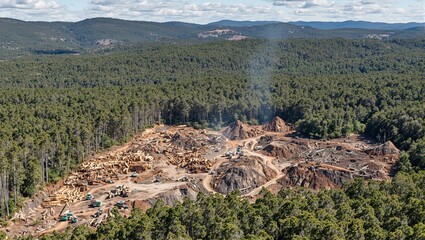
(204, 11)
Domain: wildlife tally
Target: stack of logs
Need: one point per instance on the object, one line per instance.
(192, 161)
(98, 171)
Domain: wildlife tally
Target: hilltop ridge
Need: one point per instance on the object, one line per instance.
(22, 37)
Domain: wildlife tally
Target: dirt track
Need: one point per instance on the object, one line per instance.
(269, 163)
(184, 158)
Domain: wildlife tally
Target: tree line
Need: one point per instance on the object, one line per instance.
(56, 111)
(373, 210)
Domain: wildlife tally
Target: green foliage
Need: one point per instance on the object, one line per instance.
(291, 214)
(404, 162)
(97, 34)
(56, 111)
(417, 153)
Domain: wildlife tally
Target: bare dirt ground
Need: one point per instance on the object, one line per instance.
(173, 162)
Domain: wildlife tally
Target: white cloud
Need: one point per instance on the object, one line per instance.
(372, 10)
(211, 10)
(29, 4)
(302, 3)
(31, 10)
(417, 10)
(174, 10)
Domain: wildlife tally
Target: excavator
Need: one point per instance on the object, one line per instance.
(67, 215)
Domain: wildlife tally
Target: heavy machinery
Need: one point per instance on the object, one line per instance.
(68, 213)
(64, 218)
(89, 196)
(121, 205)
(126, 191)
(73, 219)
(238, 149)
(68, 216)
(122, 191)
(96, 203)
(98, 213)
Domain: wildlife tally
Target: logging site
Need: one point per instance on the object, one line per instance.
(174, 162)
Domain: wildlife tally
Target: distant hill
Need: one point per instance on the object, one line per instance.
(231, 23)
(359, 24)
(324, 25)
(19, 38)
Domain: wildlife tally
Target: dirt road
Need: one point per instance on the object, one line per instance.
(165, 176)
(206, 182)
(268, 161)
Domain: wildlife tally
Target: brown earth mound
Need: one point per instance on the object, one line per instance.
(264, 140)
(244, 175)
(239, 130)
(314, 176)
(176, 195)
(276, 125)
(285, 150)
(186, 142)
(387, 148)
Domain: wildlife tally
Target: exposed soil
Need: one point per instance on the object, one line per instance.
(277, 125)
(314, 176)
(385, 149)
(174, 162)
(286, 150)
(243, 173)
(239, 130)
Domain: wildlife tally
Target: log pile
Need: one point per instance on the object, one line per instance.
(192, 161)
(63, 195)
(180, 147)
(101, 170)
(388, 148)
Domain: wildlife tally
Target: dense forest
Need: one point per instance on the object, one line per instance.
(25, 38)
(57, 110)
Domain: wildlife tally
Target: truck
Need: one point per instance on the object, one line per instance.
(121, 205)
(96, 203)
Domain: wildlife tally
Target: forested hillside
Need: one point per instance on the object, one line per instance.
(21, 38)
(55, 111)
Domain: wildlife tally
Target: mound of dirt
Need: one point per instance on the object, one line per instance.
(143, 205)
(244, 175)
(239, 130)
(314, 176)
(174, 196)
(387, 148)
(264, 140)
(285, 150)
(276, 125)
(186, 142)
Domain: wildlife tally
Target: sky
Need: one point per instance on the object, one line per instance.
(205, 11)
